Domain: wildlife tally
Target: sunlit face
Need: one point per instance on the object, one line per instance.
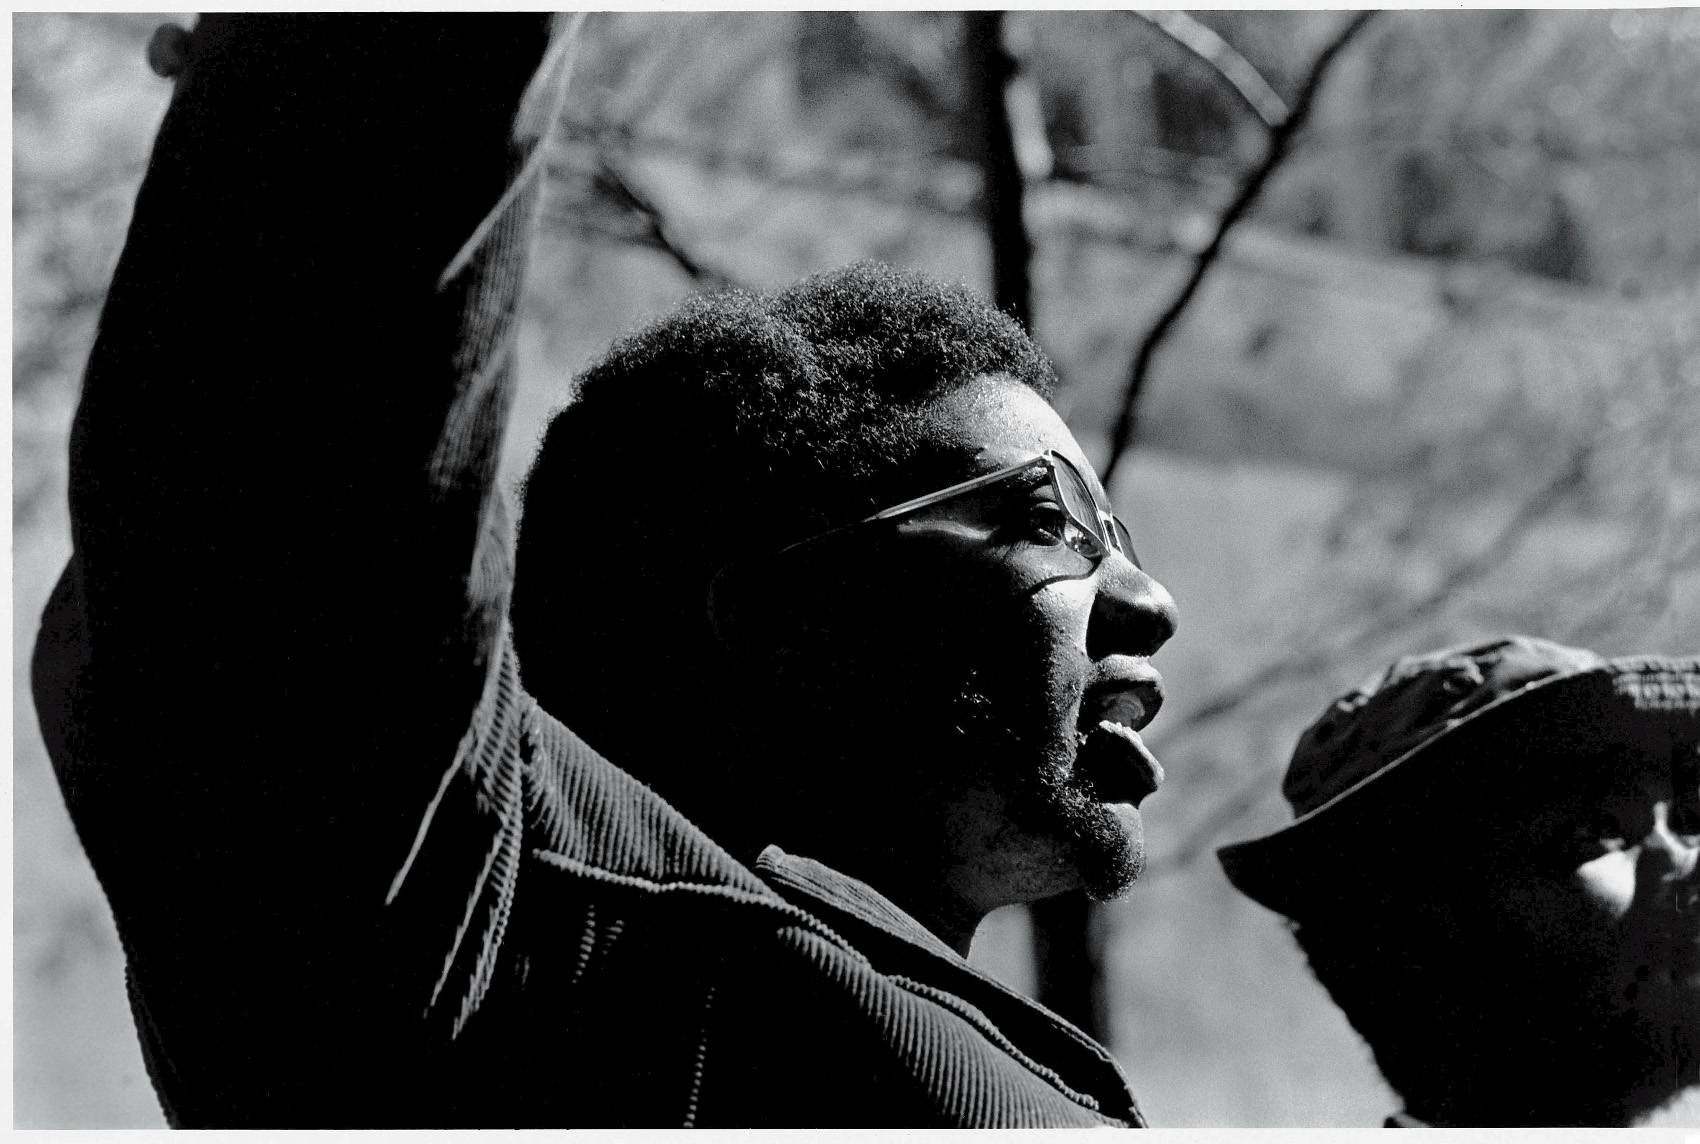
(976, 690)
(1601, 881)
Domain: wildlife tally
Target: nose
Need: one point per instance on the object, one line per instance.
(1132, 614)
(1674, 855)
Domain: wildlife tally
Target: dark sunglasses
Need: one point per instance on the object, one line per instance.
(1066, 537)
(1086, 530)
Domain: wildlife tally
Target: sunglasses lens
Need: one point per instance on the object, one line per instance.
(1077, 498)
(1124, 541)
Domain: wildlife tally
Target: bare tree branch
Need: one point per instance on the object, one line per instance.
(1097, 215)
(945, 187)
(990, 69)
(1280, 142)
(1233, 69)
(885, 176)
(656, 232)
(1563, 482)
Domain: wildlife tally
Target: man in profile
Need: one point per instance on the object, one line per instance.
(1492, 869)
(851, 648)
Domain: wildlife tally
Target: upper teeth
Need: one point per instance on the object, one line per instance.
(1123, 707)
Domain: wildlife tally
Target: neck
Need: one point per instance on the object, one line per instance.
(918, 887)
(947, 917)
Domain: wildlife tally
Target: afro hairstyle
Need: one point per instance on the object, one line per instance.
(724, 430)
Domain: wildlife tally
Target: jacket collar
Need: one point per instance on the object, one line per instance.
(837, 898)
(898, 944)
(589, 814)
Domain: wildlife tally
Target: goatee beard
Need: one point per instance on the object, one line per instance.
(1045, 795)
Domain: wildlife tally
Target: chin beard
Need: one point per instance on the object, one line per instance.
(1045, 796)
(952, 736)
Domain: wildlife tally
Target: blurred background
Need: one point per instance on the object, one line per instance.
(1438, 380)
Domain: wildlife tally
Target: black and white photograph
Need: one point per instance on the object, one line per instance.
(1021, 568)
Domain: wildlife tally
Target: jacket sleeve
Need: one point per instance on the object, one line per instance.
(289, 576)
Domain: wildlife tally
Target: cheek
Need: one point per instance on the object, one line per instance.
(1066, 608)
(1026, 660)
(1608, 882)
(1054, 624)
(1056, 618)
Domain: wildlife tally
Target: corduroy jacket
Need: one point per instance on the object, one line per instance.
(360, 877)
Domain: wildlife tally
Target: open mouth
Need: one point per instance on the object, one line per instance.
(1111, 757)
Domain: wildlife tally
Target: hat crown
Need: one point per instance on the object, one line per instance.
(1417, 699)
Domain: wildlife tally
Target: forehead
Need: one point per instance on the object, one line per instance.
(995, 421)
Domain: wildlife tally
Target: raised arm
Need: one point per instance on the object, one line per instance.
(290, 567)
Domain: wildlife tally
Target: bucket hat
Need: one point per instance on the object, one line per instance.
(1394, 769)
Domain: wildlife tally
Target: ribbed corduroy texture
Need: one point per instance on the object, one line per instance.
(361, 879)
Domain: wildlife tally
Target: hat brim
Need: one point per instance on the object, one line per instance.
(1399, 816)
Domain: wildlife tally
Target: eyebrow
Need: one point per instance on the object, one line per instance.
(1030, 478)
